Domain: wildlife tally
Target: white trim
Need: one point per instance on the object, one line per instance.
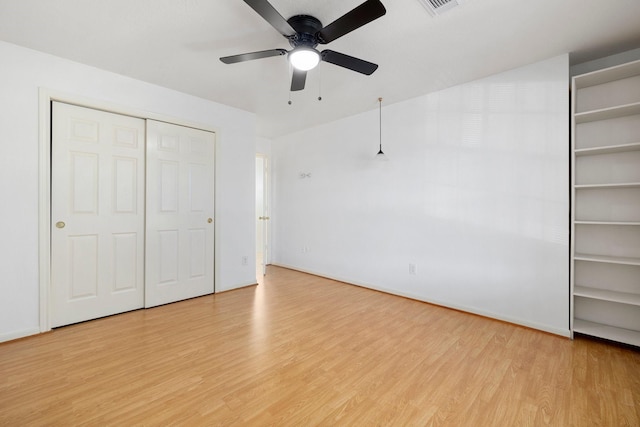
(572, 204)
(240, 286)
(53, 95)
(44, 186)
(44, 208)
(472, 310)
(18, 334)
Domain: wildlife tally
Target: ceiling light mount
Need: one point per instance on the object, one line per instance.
(306, 27)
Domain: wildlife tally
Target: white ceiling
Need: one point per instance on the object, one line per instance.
(177, 43)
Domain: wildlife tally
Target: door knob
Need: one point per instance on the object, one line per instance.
(210, 220)
(60, 224)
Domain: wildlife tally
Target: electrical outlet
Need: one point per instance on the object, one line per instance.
(412, 269)
(245, 260)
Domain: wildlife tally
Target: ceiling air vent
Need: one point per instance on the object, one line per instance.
(438, 7)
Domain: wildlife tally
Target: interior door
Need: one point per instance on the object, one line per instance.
(180, 207)
(97, 214)
(262, 213)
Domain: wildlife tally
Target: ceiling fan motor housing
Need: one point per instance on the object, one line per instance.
(306, 27)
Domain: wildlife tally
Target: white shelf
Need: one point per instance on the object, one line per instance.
(618, 185)
(607, 259)
(607, 332)
(607, 113)
(605, 295)
(599, 77)
(607, 222)
(607, 150)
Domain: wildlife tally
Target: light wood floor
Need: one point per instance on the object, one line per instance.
(300, 350)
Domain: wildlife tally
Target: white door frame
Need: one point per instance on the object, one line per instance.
(44, 182)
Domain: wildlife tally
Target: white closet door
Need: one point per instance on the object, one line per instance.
(180, 229)
(97, 214)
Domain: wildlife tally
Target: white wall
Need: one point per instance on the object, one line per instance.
(22, 73)
(263, 146)
(475, 195)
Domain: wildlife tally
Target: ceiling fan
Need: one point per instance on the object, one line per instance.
(305, 32)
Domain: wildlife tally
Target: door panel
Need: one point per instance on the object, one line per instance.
(125, 267)
(125, 181)
(83, 266)
(262, 212)
(97, 213)
(179, 235)
(197, 253)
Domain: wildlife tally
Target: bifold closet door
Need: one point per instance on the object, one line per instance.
(180, 206)
(97, 214)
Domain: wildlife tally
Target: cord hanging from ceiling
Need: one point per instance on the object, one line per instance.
(380, 156)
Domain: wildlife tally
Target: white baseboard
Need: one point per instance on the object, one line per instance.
(239, 286)
(447, 304)
(9, 336)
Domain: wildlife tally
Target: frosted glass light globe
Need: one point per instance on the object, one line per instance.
(304, 58)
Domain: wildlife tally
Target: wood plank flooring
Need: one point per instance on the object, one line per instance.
(299, 350)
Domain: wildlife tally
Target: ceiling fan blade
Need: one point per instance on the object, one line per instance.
(271, 15)
(361, 15)
(298, 80)
(350, 62)
(253, 55)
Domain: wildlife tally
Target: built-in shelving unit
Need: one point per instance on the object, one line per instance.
(605, 238)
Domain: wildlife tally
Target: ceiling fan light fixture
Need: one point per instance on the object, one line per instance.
(304, 58)
(305, 32)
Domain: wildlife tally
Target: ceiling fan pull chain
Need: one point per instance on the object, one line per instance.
(320, 83)
(291, 76)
